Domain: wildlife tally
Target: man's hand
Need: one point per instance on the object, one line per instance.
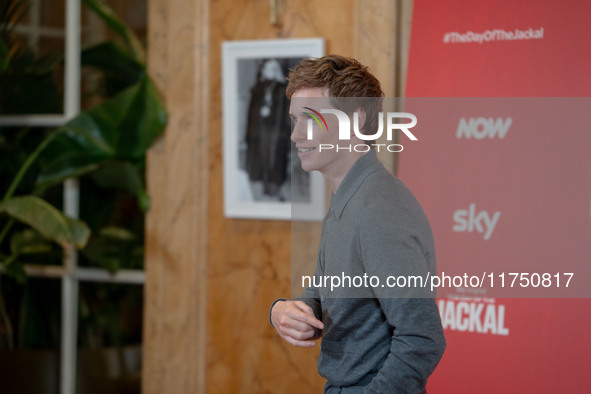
(295, 322)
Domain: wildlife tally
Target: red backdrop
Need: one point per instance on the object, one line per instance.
(525, 162)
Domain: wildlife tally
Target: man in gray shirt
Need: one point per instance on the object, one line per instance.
(376, 338)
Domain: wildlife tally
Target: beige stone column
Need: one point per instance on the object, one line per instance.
(176, 225)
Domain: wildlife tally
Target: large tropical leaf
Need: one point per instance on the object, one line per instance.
(29, 241)
(122, 127)
(123, 176)
(113, 248)
(119, 69)
(119, 27)
(24, 245)
(47, 220)
(17, 271)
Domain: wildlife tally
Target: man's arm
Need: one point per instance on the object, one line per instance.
(417, 343)
(295, 322)
(299, 321)
(416, 347)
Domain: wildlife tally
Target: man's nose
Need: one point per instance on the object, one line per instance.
(298, 132)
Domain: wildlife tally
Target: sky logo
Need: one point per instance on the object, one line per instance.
(468, 220)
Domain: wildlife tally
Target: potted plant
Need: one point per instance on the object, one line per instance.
(104, 146)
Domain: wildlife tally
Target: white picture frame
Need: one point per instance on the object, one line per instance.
(262, 175)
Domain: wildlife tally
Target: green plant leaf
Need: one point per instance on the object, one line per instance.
(47, 220)
(119, 27)
(122, 127)
(111, 249)
(119, 175)
(29, 242)
(26, 242)
(117, 234)
(124, 176)
(143, 123)
(17, 271)
(119, 70)
(79, 232)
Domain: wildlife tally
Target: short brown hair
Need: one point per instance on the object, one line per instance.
(343, 77)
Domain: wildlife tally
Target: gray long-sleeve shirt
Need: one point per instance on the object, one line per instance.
(376, 336)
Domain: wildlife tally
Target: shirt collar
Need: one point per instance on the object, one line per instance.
(366, 164)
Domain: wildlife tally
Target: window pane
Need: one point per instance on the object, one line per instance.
(32, 77)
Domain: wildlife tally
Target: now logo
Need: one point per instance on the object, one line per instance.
(470, 221)
(481, 128)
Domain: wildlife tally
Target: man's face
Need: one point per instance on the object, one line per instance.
(328, 162)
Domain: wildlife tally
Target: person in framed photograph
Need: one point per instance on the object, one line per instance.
(267, 144)
(373, 340)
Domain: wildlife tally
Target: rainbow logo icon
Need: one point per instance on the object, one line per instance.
(315, 115)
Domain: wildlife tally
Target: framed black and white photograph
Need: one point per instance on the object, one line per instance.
(263, 178)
